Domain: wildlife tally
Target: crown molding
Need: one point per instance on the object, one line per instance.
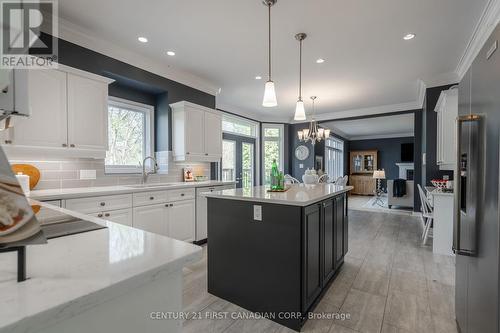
(487, 23)
(367, 111)
(382, 136)
(76, 34)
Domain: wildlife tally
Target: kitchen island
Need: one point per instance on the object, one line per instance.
(276, 253)
(112, 279)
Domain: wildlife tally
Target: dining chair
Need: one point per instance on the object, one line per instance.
(427, 214)
(323, 178)
(339, 181)
(291, 180)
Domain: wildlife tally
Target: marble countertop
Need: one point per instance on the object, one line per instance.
(297, 195)
(82, 192)
(73, 273)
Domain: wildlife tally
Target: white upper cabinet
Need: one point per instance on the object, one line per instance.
(447, 112)
(46, 126)
(87, 113)
(68, 115)
(194, 120)
(213, 135)
(197, 133)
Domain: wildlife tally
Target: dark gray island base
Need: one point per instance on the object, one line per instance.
(280, 266)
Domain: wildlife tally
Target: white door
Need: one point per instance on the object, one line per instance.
(194, 132)
(47, 125)
(181, 220)
(151, 218)
(122, 216)
(213, 135)
(87, 113)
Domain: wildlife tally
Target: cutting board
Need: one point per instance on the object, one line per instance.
(29, 170)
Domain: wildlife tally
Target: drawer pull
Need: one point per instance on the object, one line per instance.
(206, 154)
(182, 194)
(64, 145)
(102, 204)
(72, 145)
(166, 205)
(171, 205)
(99, 215)
(107, 214)
(151, 198)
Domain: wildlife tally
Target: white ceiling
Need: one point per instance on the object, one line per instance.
(368, 64)
(370, 128)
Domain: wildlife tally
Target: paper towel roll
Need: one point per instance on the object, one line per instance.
(24, 181)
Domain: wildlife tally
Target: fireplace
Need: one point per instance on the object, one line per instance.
(405, 170)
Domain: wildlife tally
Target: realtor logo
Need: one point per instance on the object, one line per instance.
(23, 45)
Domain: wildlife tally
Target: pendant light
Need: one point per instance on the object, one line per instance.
(269, 92)
(300, 112)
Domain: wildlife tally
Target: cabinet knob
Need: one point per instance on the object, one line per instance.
(99, 215)
(182, 194)
(166, 205)
(107, 214)
(151, 198)
(8, 142)
(72, 145)
(206, 154)
(171, 205)
(102, 204)
(64, 145)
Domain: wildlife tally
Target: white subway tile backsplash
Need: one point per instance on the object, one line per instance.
(66, 173)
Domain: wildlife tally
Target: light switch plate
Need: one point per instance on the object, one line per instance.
(257, 213)
(301, 166)
(88, 174)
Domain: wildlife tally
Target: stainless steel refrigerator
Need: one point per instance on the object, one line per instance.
(476, 229)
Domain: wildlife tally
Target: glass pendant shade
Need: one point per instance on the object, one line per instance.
(300, 112)
(300, 134)
(327, 133)
(321, 133)
(269, 95)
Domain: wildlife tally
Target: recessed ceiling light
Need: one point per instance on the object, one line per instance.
(258, 77)
(171, 53)
(142, 39)
(320, 61)
(409, 36)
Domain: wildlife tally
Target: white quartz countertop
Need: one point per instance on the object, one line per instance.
(71, 274)
(81, 192)
(297, 194)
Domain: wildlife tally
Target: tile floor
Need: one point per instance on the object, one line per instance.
(389, 283)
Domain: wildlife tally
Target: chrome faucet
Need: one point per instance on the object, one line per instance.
(145, 174)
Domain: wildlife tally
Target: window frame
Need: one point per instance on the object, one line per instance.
(148, 111)
(281, 143)
(337, 148)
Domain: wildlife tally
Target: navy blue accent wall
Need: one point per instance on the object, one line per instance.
(137, 85)
(389, 153)
(417, 158)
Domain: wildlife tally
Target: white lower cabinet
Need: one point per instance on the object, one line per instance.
(181, 218)
(153, 218)
(122, 216)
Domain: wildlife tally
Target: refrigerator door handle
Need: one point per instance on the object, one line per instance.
(463, 179)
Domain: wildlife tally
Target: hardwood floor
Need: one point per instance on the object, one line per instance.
(389, 283)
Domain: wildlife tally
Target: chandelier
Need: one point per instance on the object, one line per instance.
(313, 133)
